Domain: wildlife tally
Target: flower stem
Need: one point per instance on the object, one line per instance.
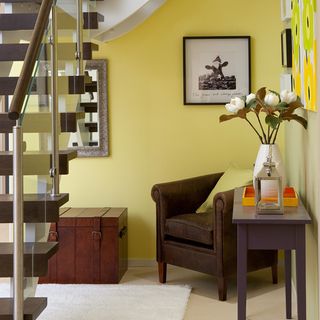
(269, 138)
(275, 137)
(255, 130)
(264, 135)
(271, 135)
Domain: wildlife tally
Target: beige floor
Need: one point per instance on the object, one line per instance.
(265, 301)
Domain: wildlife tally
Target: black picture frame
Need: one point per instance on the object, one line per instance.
(286, 48)
(215, 69)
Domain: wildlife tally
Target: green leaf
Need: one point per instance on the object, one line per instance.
(252, 103)
(281, 106)
(272, 121)
(275, 93)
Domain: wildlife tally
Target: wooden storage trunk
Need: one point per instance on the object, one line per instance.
(92, 246)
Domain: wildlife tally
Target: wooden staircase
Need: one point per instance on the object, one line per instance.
(38, 207)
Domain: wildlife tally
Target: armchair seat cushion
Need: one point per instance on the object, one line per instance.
(192, 227)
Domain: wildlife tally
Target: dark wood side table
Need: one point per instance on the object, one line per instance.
(267, 232)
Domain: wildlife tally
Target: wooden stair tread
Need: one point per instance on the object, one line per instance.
(17, 51)
(92, 126)
(33, 307)
(17, 21)
(91, 87)
(26, 21)
(37, 207)
(32, 157)
(30, 248)
(68, 121)
(66, 85)
(91, 20)
(89, 107)
(21, 1)
(36, 256)
(28, 1)
(71, 154)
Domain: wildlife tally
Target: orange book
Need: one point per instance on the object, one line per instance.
(290, 198)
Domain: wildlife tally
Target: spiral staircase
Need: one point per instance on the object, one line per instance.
(44, 45)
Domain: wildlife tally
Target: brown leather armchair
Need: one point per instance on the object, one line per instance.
(204, 242)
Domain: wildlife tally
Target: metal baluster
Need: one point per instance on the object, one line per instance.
(79, 38)
(18, 245)
(54, 172)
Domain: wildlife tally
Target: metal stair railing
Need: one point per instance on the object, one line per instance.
(30, 60)
(16, 112)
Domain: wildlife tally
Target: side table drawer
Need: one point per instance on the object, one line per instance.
(271, 236)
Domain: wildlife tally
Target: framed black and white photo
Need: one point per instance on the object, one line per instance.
(215, 69)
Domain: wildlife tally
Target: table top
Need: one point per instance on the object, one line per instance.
(248, 215)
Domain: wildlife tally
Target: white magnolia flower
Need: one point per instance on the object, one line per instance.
(250, 97)
(271, 99)
(288, 96)
(235, 105)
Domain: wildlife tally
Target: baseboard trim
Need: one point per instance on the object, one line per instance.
(141, 263)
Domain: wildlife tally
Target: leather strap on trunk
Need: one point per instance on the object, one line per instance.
(53, 233)
(96, 235)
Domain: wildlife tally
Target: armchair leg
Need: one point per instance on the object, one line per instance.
(162, 269)
(222, 288)
(274, 269)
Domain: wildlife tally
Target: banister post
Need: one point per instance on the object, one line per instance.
(54, 171)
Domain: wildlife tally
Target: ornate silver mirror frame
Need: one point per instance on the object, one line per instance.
(98, 94)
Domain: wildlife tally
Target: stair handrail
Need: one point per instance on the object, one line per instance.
(30, 60)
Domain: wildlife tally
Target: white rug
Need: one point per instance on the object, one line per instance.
(113, 302)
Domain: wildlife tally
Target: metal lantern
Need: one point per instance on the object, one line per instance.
(274, 204)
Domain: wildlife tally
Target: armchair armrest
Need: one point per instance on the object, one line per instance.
(225, 241)
(183, 196)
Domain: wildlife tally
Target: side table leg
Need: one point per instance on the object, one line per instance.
(242, 248)
(287, 262)
(301, 271)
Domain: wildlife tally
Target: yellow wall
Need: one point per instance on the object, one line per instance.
(153, 136)
(302, 154)
(303, 158)
(302, 163)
